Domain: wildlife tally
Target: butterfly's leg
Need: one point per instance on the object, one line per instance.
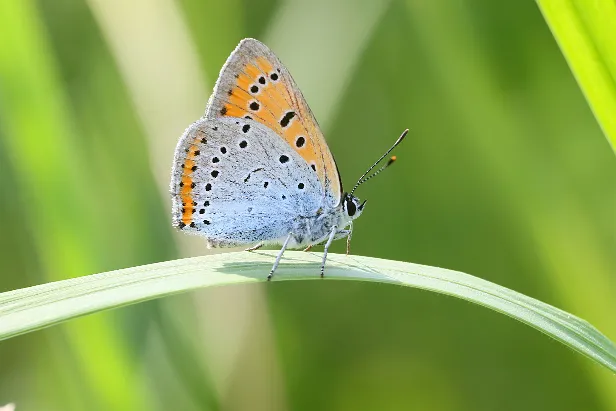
(256, 247)
(327, 244)
(279, 256)
(348, 250)
(341, 234)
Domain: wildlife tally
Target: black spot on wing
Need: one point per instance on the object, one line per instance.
(286, 119)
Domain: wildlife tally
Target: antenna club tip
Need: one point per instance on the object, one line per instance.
(404, 133)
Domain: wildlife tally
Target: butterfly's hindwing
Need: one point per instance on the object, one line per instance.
(236, 182)
(254, 84)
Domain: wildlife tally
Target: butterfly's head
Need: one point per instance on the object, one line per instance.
(352, 206)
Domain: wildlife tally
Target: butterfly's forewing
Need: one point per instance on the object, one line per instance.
(254, 84)
(237, 182)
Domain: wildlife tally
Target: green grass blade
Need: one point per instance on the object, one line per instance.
(33, 308)
(585, 32)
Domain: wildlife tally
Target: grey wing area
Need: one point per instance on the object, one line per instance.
(247, 184)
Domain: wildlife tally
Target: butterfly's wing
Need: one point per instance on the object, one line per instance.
(254, 84)
(236, 182)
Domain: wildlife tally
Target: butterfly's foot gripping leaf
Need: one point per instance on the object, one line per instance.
(256, 247)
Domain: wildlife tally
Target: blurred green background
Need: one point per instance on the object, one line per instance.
(505, 175)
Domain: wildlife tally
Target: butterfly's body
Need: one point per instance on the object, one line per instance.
(256, 169)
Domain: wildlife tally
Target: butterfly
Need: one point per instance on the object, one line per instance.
(255, 169)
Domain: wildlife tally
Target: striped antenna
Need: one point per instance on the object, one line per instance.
(363, 178)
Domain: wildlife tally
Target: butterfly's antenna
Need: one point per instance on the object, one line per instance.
(391, 160)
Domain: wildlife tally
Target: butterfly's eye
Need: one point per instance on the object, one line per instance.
(351, 207)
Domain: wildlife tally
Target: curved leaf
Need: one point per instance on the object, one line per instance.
(33, 308)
